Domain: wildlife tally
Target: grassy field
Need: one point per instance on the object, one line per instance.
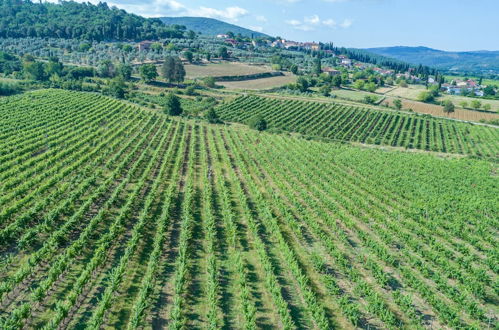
(260, 84)
(353, 95)
(437, 110)
(484, 81)
(410, 92)
(456, 99)
(224, 69)
(114, 217)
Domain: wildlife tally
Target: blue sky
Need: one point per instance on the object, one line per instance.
(443, 24)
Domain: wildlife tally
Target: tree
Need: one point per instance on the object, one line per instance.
(370, 87)
(127, 48)
(173, 69)
(487, 107)
(210, 82)
(172, 105)
(317, 66)
(258, 122)
(475, 104)
(434, 90)
(397, 103)
(369, 99)
(223, 53)
(359, 84)
(325, 90)
(34, 70)
(212, 116)
(190, 90)
(426, 96)
(302, 84)
(189, 56)
(337, 81)
(125, 71)
(53, 67)
(489, 91)
(148, 72)
(157, 47)
(179, 70)
(117, 88)
(191, 34)
(85, 47)
(294, 69)
(106, 69)
(168, 68)
(448, 106)
(463, 104)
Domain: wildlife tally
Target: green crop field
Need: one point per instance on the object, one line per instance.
(356, 124)
(117, 217)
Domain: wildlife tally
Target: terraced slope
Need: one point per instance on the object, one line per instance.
(356, 124)
(115, 217)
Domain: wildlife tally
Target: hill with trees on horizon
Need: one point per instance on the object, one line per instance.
(210, 26)
(73, 20)
(470, 62)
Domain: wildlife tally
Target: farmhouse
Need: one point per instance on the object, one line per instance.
(231, 41)
(222, 36)
(311, 46)
(346, 62)
(456, 87)
(331, 71)
(145, 45)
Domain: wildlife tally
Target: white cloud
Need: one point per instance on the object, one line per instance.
(329, 22)
(256, 28)
(314, 20)
(229, 13)
(293, 22)
(346, 23)
(309, 23)
(160, 8)
(261, 18)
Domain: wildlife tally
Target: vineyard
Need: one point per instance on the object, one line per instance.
(116, 217)
(351, 123)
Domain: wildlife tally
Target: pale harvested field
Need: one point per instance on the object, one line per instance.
(262, 83)
(384, 90)
(223, 69)
(410, 92)
(437, 110)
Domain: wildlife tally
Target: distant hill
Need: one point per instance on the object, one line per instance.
(73, 20)
(478, 62)
(210, 26)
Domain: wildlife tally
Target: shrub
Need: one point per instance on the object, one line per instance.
(172, 105)
(258, 123)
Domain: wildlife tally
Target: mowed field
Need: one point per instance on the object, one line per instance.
(437, 110)
(224, 69)
(261, 83)
(117, 217)
(410, 94)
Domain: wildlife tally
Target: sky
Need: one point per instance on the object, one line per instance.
(453, 25)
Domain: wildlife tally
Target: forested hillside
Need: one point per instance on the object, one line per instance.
(209, 26)
(69, 19)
